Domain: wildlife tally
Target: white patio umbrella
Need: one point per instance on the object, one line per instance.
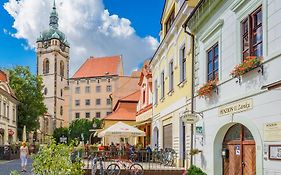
(121, 129)
(24, 134)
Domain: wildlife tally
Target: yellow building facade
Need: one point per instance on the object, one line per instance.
(172, 81)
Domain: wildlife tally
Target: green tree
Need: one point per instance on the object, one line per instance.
(59, 132)
(28, 90)
(53, 159)
(80, 127)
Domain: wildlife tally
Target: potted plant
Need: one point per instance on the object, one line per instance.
(249, 63)
(195, 151)
(207, 89)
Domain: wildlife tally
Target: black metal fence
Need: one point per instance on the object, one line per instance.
(164, 160)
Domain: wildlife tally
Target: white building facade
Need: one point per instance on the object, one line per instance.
(240, 132)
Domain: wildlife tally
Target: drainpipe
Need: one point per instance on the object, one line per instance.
(192, 88)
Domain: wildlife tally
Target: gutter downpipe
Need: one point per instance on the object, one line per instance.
(192, 89)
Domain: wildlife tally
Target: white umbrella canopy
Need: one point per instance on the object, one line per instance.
(121, 129)
(24, 134)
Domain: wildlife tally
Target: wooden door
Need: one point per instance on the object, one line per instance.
(249, 159)
(168, 136)
(242, 152)
(232, 165)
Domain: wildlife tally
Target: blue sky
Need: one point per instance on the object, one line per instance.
(144, 16)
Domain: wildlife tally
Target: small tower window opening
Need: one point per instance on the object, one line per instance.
(61, 110)
(61, 68)
(45, 91)
(46, 66)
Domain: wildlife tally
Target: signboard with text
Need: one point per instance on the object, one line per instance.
(239, 106)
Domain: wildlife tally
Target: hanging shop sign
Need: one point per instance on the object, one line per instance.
(190, 118)
(239, 106)
(272, 132)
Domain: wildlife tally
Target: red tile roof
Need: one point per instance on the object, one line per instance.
(125, 109)
(103, 66)
(3, 76)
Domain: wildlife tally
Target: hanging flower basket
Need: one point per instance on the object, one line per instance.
(249, 63)
(207, 89)
(11, 132)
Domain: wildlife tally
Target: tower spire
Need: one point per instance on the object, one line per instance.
(54, 17)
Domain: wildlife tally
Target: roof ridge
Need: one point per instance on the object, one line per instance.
(130, 94)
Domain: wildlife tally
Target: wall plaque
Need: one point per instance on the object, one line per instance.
(275, 152)
(272, 132)
(236, 107)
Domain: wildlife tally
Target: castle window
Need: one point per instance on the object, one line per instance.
(61, 68)
(61, 110)
(46, 66)
(45, 91)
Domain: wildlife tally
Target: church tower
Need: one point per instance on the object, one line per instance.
(53, 67)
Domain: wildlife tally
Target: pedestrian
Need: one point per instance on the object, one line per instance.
(23, 156)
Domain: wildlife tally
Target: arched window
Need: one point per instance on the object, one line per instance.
(46, 66)
(61, 68)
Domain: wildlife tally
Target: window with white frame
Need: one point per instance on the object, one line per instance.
(155, 92)
(251, 34)
(162, 84)
(171, 75)
(77, 90)
(213, 62)
(182, 61)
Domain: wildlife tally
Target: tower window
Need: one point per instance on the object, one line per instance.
(61, 110)
(61, 92)
(61, 68)
(46, 66)
(45, 91)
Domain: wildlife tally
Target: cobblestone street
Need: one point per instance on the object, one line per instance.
(8, 166)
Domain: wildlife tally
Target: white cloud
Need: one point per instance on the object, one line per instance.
(90, 29)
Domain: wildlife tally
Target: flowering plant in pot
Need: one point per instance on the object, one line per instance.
(208, 88)
(249, 63)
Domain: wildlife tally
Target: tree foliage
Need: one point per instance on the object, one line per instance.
(59, 132)
(28, 90)
(80, 127)
(53, 159)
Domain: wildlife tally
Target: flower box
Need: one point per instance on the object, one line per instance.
(207, 89)
(249, 63)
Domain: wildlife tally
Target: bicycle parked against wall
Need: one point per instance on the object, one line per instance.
(127, 165)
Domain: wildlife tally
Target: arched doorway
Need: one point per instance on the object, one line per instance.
(240, 149)
(156, 137)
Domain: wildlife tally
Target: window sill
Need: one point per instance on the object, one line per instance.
(181, 84)
(170, 93)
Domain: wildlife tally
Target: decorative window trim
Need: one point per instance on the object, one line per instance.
(211, 30)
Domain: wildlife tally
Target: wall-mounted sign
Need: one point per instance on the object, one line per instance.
(237, 150)
(272, 132)
(199, 129)
(275, 152)
(190, 118)
(236, 107)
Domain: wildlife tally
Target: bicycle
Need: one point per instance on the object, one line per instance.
(129, 166)
(95, 160)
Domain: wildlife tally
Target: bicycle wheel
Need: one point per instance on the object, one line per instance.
(136, 169)
(113, 169)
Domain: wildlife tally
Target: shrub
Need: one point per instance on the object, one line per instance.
(53, 159)
(193, 170)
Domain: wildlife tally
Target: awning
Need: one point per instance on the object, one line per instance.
(121, 129)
